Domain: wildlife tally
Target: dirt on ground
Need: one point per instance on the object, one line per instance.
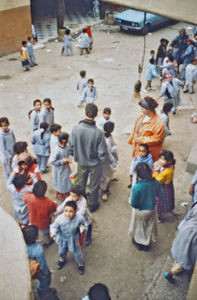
(113, 64)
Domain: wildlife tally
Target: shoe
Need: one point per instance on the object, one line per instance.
(94, 208)
(104, 197)
(145, 91)
(81, 270)
(169, 277)
(129, 185)
(87, 242)
(115, 179)
(174, 112)
(60, 264)
(137, 246)
(48, 243)
(160, 221)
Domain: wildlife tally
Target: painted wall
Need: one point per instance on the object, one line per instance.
(11, 4)
(15, 24)
(176, 9)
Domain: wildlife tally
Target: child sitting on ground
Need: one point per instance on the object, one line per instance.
(164, 116)
(65, 231)
(40, 209)
(36, 252)
(89, 94)
(55, 130)
(76, 195)
(105, 118)
(60, 161)
(110, 162)
(17, 188)
(41, 141)
(19, 148)
(34, 115)
(7, 141)
(143, 156)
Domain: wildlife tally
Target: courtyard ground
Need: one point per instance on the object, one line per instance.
(113, 64)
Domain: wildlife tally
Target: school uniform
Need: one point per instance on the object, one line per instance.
(41, 148)
(35, 251)
(67, 236)
(171, 92)
(7, 141)
(31, 54)
(187, 56)
(89, 95)
(101, 122)
(165, 119)
(60, 171)
(53, 142)
(151, 73)
(84, 42)
(82, 209)
(35, 120)
(81, 84)
(95, 8)
(67, 44)
(47, 116)
(190, 78)
(20, 208)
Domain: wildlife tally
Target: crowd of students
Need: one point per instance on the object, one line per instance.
(92, 147)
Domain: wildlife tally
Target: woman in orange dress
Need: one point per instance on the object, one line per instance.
(148, 129)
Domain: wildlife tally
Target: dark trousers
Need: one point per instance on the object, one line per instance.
(95, 178)
(45, 281)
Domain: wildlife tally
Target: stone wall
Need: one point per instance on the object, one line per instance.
(15, 283)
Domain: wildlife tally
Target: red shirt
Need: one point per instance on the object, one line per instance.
(39, 209)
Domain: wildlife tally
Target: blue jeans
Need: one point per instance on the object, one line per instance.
(42, 162)
(45, 281)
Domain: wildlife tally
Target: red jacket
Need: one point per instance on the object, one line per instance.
(39, 209)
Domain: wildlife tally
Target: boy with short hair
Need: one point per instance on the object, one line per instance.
(89, 94)
(40, 209)
(36, 252)
(105, 118)
(151, 73)
(24, 56)
(30, 52)
(17, 187)
(82, 82)
(55, 130)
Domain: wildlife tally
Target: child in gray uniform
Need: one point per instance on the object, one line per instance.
(60, 167)
(89, 94)
(34, 115)
(30, 52)
(17, 188)
(67, 43)
(47, 114)
(65, 231)
(7, 141)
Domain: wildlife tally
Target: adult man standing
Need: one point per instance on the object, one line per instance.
(87, 145)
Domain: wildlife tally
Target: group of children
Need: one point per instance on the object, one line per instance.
(166, 67)
(85, 40)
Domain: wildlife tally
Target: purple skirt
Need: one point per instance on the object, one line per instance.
(166, 203)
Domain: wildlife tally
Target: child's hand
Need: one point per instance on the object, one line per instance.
(52, 235)
(67, 160)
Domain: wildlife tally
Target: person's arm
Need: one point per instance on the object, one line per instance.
(95, 94)
(160, 176)
(71, 144)
(60, 207)
(188, 51)
(33, 120)
(155, 139)
(135, 197)
(54, 159)
(33, 140)
(54, 228)
(102, 148)
(4, 152)
(82, 208)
